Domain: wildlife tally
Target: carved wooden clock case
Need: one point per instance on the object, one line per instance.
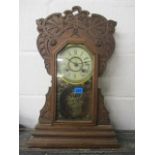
(75, 47)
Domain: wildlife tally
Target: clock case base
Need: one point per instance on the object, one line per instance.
(101, 135)
(47, 136)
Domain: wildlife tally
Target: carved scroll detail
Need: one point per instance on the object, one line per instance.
(103, 114)
(96, 27)
(45, 113)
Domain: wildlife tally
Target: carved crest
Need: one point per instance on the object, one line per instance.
(76, 22)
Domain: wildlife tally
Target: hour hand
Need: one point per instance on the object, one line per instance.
(71, 61)
(67, 59)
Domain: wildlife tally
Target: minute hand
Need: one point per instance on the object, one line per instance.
(84, 62)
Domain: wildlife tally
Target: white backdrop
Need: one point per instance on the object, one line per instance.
(117, 82)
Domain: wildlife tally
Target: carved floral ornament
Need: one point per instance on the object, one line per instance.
(76, 22)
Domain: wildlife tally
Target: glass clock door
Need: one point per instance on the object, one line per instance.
(75, 65)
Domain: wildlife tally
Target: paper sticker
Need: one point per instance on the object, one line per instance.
(78, 90)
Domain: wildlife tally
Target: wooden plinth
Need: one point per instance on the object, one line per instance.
(46, 136)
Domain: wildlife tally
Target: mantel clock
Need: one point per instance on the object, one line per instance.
(75, 47)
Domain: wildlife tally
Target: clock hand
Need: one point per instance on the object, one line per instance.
(67, 59)
(77, 63)
(72, 61)
(84, 62)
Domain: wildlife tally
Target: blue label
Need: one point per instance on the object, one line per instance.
(78, 90)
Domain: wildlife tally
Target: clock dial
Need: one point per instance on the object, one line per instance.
(75, 64)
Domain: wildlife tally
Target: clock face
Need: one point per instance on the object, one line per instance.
(75, 64)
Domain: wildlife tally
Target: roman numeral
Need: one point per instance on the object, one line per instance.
(75, 51)
(81, 53)
(86, 58)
